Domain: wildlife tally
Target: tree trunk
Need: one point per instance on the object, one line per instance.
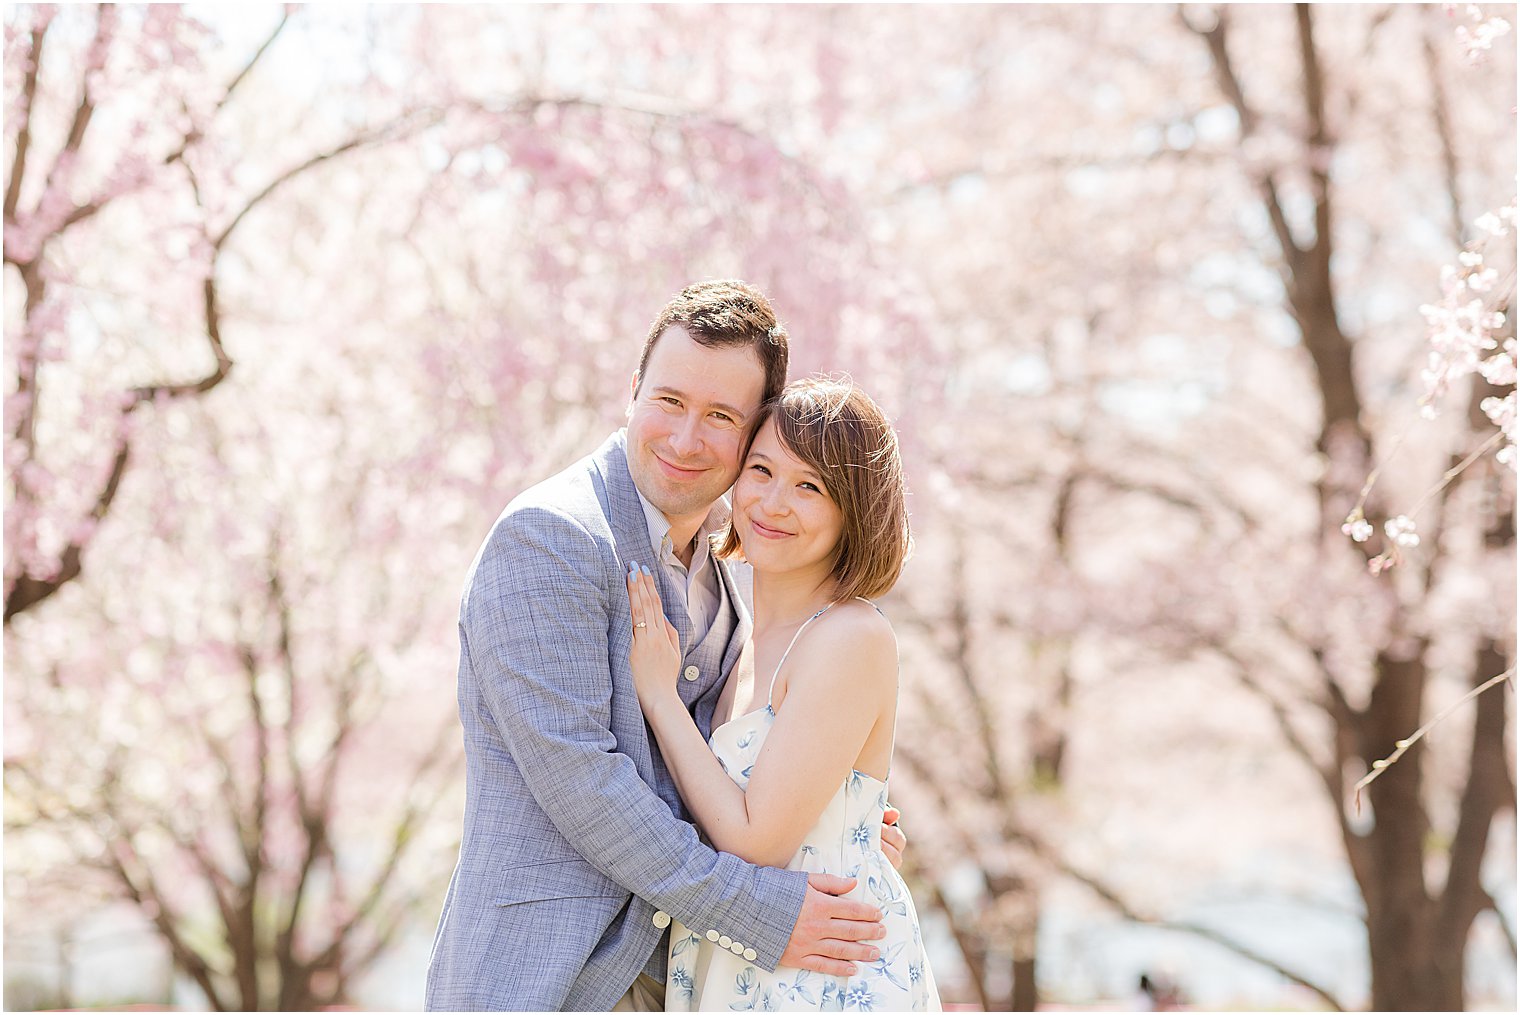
(1026, 988)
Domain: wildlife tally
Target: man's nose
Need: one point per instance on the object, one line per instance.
(685, 438)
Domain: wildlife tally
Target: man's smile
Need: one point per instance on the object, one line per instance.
(677, 471)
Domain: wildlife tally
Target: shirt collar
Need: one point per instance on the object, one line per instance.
(659, 526)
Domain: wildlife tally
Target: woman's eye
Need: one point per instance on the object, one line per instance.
(810, 486)
(760, 469)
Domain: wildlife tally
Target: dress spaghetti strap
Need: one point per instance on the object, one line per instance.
(771, 694)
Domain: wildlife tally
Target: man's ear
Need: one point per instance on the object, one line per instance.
(633, 390)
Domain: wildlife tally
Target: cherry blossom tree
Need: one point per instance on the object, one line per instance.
(228, 699)
(1278, 354)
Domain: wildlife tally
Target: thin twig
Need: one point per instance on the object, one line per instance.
(1380, 766)
(1456, 470)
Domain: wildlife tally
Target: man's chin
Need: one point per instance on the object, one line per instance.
(675, 499)
(685, 502)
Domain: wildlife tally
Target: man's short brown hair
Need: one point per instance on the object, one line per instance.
(835, 428)
(726, 313)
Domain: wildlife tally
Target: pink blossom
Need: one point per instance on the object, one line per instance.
(1401, 531)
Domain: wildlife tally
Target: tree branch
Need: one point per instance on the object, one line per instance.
(1123, 908)
(399, 128)
(1487, 789)
(85, 111)
(28, 590)
(24, 133)
(1441, 116)
(1229, 83)
(192, 135)
(143, 891)
(1492, 903)
(419, 806)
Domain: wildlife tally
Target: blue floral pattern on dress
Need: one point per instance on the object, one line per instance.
(846, 840)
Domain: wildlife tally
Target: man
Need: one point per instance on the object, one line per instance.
(576, 853)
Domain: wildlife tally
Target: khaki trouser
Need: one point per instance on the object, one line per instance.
(646, 994)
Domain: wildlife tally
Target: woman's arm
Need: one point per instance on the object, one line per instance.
(838, 689)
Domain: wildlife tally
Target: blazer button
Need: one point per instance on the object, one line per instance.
(736, 948)
(712, 936)
(750, 955)
(691, 673)
(725, 941)
(661, 919)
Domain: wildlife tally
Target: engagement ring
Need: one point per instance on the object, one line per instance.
(641, 624)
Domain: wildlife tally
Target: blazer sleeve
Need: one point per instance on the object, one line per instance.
(535, 622)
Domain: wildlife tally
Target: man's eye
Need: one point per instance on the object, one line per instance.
(723, 417)
(670, 401)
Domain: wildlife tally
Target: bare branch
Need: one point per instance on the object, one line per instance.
(419, 806)
(257, 56)
(1487, 790)
(1229, 83)
(1124, 909)
(28, 591)
(1328, 775)
(1492, 904)
(960, 627)
(1380, 766)
(1353, 92)
(1440, 115)
(1319, 133)
(24, 132)
(85, 111)
(141, 888)
(193, 135)
(403, 126)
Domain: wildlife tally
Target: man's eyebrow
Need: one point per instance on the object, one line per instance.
(721, 406)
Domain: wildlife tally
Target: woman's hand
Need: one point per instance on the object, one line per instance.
(656, 654)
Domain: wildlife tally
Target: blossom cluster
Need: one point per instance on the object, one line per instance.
(1477, 37)
(1464, 324)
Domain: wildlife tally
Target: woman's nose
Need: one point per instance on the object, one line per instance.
(775, 500)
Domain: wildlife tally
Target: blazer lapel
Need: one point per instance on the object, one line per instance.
(630, 528)
(738, 592)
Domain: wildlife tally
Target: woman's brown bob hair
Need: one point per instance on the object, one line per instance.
(835, 428)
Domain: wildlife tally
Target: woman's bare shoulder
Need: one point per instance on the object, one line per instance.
(855, 639)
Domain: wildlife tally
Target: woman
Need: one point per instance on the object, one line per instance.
(797, 775)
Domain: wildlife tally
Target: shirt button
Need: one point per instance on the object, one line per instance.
(725, 941)
(661, 919)
(712, 935)
(736, 948)
(691, 673)
(750, 955)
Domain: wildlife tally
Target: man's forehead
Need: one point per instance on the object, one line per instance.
(730, 374)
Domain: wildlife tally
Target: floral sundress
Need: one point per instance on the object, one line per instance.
(705, 976)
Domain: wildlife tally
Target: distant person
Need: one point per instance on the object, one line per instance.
(795, 774)
(576, 853)
(1159, 993)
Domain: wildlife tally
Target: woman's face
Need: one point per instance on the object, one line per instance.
(784, 516)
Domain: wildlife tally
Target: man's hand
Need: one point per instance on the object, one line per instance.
(893, 841)
(829, 931)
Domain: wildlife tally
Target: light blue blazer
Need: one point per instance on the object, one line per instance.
(575, 850)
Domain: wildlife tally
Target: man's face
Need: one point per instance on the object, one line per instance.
(687, 422)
